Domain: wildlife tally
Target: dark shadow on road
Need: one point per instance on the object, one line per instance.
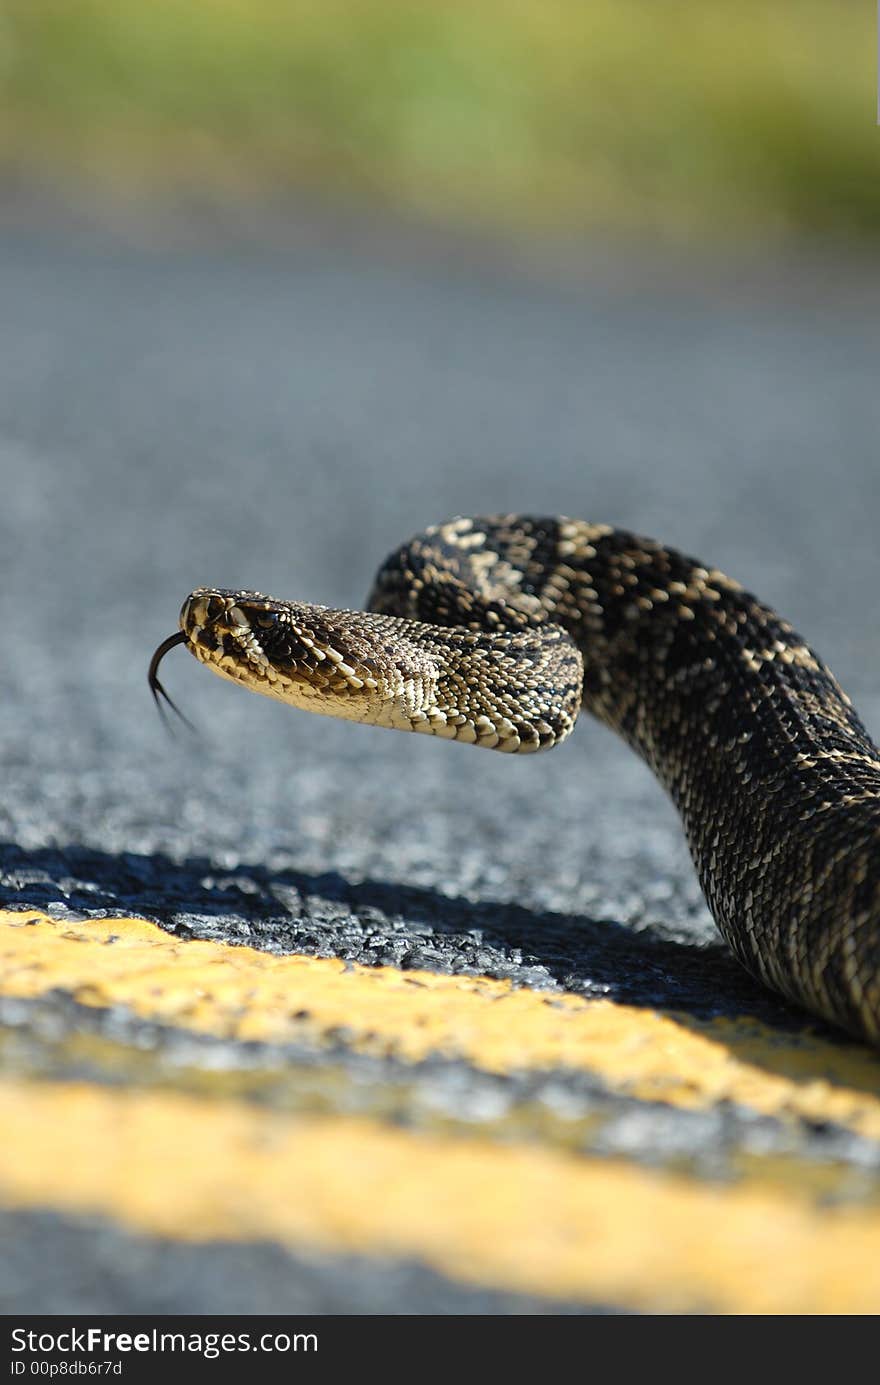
(375, 923)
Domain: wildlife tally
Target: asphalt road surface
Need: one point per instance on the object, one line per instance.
(476, 1046)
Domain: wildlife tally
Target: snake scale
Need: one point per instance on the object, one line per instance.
(495, 631)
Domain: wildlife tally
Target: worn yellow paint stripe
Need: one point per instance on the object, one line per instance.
(518, 1217)
(237, 992)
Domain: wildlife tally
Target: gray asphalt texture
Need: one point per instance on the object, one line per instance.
(281, 420)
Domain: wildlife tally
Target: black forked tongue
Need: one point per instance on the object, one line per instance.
(159, 693)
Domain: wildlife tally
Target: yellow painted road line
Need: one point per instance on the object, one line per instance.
(237, 992)
(531, 1220)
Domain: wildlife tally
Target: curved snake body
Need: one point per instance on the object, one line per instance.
(495, 631)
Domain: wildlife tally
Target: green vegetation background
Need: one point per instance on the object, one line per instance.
(657, 116)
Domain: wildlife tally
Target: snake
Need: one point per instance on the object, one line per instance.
(496, 631)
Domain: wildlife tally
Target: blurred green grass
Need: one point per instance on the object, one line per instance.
(666, 118)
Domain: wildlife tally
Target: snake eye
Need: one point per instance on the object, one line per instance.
(267, 621)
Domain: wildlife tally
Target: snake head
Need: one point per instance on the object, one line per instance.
(477, 687)
(347, 664)
(275, 647)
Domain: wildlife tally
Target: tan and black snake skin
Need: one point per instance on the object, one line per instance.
(495, 632)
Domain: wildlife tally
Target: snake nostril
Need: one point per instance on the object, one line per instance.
(201, 609)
